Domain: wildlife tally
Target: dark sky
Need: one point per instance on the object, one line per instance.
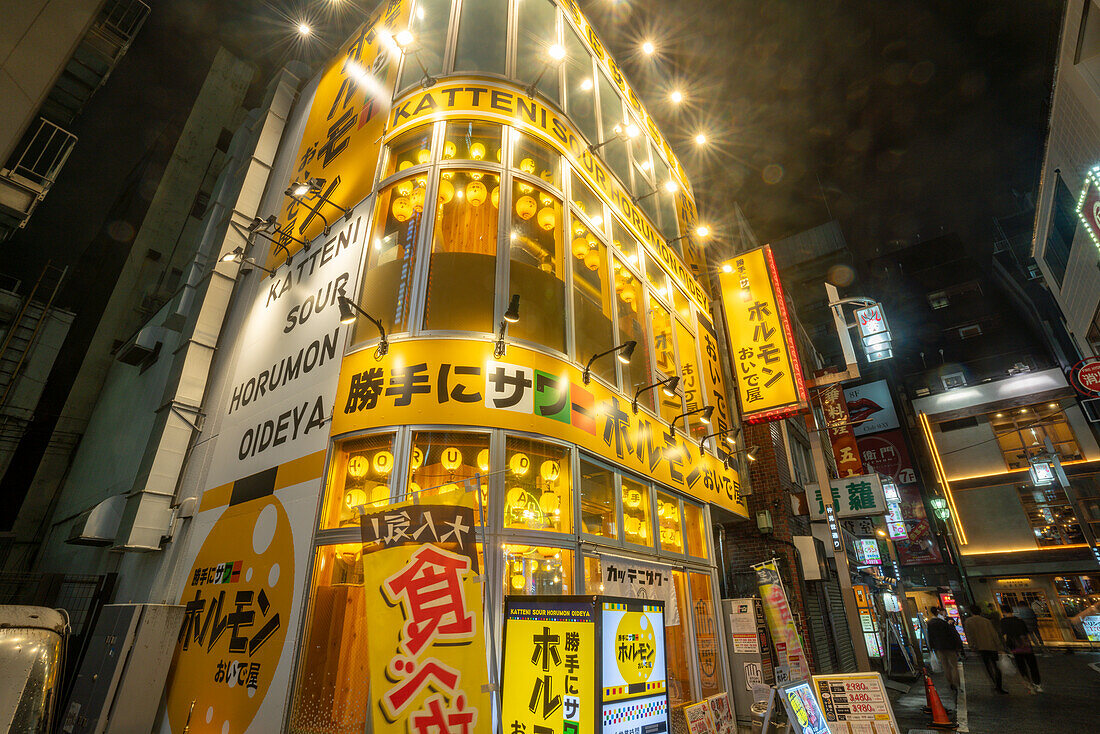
(905, 116)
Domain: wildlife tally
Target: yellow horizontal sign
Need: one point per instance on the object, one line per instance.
(458, 382)
(509, 105)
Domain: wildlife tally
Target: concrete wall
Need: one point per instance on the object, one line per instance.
(994, 520)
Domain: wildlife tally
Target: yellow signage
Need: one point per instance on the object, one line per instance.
(340, 143)
(457, 382)
(549, 666)
(508, 104)
(769, 377)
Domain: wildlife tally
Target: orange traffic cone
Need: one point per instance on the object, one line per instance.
(940, 719)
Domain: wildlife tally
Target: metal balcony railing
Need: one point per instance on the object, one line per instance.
(119, 22)
(40, 156)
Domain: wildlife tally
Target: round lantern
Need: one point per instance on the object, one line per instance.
(413, 490)
(641, 531)
(402, 209)
(515, 499)
(526, 207)
(383, 462)
(357, 467)
(446, 191)
(580, 247)
(405, 187)
(451, 458)
(527, 165)
(423, 155)
(630, 525)
(550, 470)
(517, 582)
(476, 175)
(380, 495)
(476, 193)
(483, 460)
(477, 151)
(355, 498)
(417, 458)
(547, 218)
(403, 165)
(547, 176)
(592, 259)
(550, 503)
(525, 189)
(449, 149)
(627, 293)
(495, 196)
(519, 464)
(632, 498)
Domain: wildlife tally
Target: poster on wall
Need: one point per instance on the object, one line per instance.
(871, 408)
(637, 580)
(633, 682)
(781, 623)
(721, 713)
(424, 602)
(699, 720)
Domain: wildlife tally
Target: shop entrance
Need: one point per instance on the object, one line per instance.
(1037, 601)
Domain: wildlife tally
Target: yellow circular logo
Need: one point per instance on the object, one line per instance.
(635, 647)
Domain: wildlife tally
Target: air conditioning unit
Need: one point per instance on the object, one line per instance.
(144, 346)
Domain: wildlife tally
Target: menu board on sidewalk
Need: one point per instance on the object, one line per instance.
(855, 703)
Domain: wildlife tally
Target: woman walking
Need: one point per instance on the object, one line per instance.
(1018, 642)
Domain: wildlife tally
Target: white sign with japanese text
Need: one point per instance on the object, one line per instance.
(636, 580)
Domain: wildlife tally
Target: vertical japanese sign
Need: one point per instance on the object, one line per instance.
(427, 647)
(841, 436)
(777, 611)
(714, 383)
(341, 139)
(549, 665)
(769, 377)
(850, 497)
(633, 683)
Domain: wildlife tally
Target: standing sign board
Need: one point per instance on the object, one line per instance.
(803, 709)
(721, 713)
(584, 664)
(855, 703)
(792, 660)
(698, 719)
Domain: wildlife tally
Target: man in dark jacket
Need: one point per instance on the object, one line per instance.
(1018, 642)
(944, 640)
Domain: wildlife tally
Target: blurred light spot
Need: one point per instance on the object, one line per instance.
(841, 275)
(922, 72)
(773, 173)
(120, 231)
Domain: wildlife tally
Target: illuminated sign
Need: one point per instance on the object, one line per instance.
(834, 528)
(769, 377)
(792, 660)
(1088, 205)
(867, 552)
(841, 436)
(633, 683)
(1085, 377)
(803, 710)
(850, 497)
(875, 333)
(1042, 472)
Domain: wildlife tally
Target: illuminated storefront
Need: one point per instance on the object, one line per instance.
(530, 251)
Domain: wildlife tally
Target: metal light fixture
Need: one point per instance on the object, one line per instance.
(348, 315)
(668, 385)
(629, 131)
(404, 41)
(315, 188)
(669, 186)
(729, 433)
(511, 316)
(764, 522)
(555, 55)
(702, 232)
(247, 263)
(703, 413)
(623, 351)
(263, 228)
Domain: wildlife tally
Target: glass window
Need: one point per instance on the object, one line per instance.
(593, 578)
(1020, 429)
(531, 571)
(598, 506)
(643, 178)
(625, 243)
(472, 141)
(1050, 515)
(360, 478)
(537, 32)
(666, 202)
(537, 271)
(538, 491)
(681, 303)
(656, 275)
(482, 36)
(705, 619)
(691, 386)
(629, 299)
(636, 523)
(536, 159)
(611, 112)
(408, 149)
(585, 199)
(429, 28)
(669, 528)
(441, 462)
(334, 669)
(593, 328)
(695, 530)
(677, 646)
(391, 260)
(462, 271)
(579, 85)
(664, 355)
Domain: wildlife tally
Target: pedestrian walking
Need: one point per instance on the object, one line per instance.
(993, 615)
(1029, 616)
(981, 635)
(944, 640)
(1018, 642)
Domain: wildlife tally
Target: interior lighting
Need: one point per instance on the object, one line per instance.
(668, 386)
(648, 48)
(622, 351)
(511, 316)
(586, 85)
(556, 52)
(348, 315)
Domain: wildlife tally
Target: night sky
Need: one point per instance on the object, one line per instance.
(897, 118)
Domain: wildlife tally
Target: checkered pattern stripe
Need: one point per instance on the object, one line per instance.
(634, 711)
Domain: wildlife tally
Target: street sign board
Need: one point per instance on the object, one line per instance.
(1085, 377)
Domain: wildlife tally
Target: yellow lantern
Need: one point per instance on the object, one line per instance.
(525, 189)
(448, 488)
(630, 525)
(642, 534)
(405, 187)
(476, 175)
(580, 247)
(414, 490)
(477, 151)
(446, 191)
(547, 176)
(451, 458)
(519, 464)
(526, 207)
(632, 498)
(515, 499)
(423, 155)
(417, 458)
(627, 293)
(527, 165)
(483, 460)
(355, 498)
(403, 165)
(550, 503)
(495, 197)
(380, 495)
(449, 149)
(548, 218)
(383, 462)
(476, 193)
(357, 467)
(417, 200)
(660, 508)
(550, 470)
(592, 259)
(402, 209)
(517, 582)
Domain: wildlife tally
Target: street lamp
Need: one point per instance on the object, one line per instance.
(939, 506)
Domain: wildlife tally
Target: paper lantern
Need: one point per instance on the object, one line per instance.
(527, 165)
(630, 525)
(515, 499)
(449, 488)
(550, 503)
(477, 151)
(476, 175)
(519, 464)
(495, 196)
(446, 191)
(483, 460)
(548, 218)
(413, 490)
(550, 470)
(417, 200)
(355, 498)
(580, 247)
(423, 155)
(402, 209)
(451, 458)
(357, 467)
(383, 462)
(416, 460)
(476, 193)
(642, 534)
(593, 260)
(525, 189)
(405, 187)
(518, 582)
(449, 149)
(632, 498)
(403, 165)
(627, 293)
(380, 495)
(547, 176)
(526, 207)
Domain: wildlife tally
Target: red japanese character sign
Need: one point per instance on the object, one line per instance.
(1086, 377)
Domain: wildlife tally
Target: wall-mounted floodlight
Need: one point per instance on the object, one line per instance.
(404, 41)
(511, 316)
(624, 132)
(623, 351)
(348, 311)
(703, 413)
(314, 188)
(554, 56)
(667, 385)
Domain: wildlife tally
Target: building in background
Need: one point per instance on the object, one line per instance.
(56, 54)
